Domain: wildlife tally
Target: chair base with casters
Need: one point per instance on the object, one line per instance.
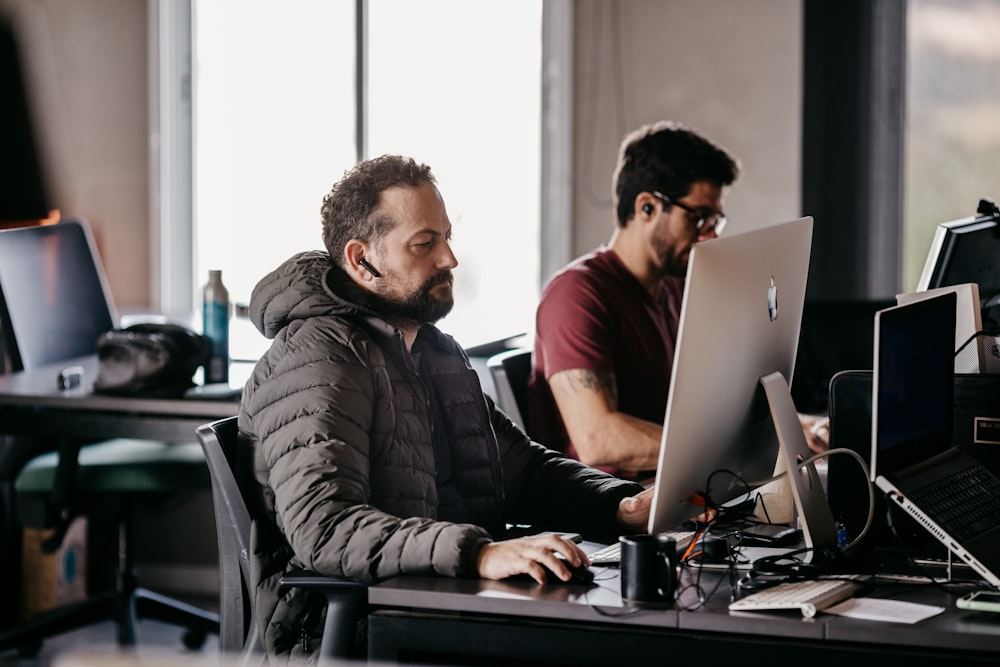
(238, 634)
(111, 477)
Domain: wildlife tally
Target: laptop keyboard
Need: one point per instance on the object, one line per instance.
(966, 504)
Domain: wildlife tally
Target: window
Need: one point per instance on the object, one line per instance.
(274, 126)
(953, 103)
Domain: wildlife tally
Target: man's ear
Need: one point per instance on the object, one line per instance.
(354, 254)
(644, 207)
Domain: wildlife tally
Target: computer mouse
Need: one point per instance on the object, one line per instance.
(578, 575)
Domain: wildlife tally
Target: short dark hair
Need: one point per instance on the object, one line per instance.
(347, 208)
(669, 158)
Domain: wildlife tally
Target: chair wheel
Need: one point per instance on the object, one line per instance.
(29, 649)
(194, 639)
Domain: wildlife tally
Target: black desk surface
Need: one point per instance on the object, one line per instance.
(31, 403)
(426, 618)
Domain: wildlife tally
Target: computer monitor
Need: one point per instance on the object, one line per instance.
(740, 318)
(50, 276)
(968, 251)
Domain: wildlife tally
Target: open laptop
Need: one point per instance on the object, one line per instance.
(54, 296)
(913, 458)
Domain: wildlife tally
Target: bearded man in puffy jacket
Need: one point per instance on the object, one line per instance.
(376, 451)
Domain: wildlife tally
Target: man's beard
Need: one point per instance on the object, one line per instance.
(675, 266)
(419, 307)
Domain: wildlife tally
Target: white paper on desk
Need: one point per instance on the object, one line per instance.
(881, 609)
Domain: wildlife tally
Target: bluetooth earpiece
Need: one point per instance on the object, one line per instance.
(647, 209)
(369, 268)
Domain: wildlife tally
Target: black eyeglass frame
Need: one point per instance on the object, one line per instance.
(705, 223)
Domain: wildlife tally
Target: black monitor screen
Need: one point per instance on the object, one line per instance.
(968, 251)
(54, 302)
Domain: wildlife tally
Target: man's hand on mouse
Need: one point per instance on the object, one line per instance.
(534, 556)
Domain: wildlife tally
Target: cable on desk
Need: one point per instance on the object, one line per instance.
(868, 483)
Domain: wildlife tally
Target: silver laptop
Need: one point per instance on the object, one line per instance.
(913, 458)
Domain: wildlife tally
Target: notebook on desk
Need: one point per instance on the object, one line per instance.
(913, 458)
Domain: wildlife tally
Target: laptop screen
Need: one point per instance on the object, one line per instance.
(54, 300)
(914, 384)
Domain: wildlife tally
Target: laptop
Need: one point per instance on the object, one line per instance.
(54, 296)
(913, 458)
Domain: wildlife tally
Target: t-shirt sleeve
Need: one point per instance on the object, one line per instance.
(572, 326)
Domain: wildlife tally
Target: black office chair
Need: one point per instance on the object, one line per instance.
(510, 371)
(54, 304)
(346, 600)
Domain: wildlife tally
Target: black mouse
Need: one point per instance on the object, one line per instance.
(578, 575)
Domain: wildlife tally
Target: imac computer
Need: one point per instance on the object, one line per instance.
(968, 251)
(729, 403)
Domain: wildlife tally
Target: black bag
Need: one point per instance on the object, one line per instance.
(149, 360)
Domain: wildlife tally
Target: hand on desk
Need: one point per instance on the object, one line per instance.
(528, 555)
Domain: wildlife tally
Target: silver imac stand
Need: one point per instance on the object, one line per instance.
(818, 528)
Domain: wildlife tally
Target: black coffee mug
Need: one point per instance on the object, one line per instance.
(648, 568)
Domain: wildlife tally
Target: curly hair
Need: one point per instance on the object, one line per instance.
(667, 157)
(347, 208)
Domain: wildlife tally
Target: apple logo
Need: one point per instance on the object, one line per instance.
(772, 301)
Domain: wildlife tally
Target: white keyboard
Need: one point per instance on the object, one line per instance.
(808, 596)
(612, 553)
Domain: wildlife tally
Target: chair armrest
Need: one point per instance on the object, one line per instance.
(316, 581)
(346, 603)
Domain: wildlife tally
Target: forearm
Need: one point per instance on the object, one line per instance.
(619, 441)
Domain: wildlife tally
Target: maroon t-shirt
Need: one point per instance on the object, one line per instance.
(594, 314)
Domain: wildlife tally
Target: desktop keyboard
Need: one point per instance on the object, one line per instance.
(808, 596)
(611, 554)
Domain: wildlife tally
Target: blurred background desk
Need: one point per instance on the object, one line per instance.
(31, 403)
(175, 548)
(456, 621)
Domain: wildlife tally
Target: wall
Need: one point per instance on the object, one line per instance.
(87, 62)
(731, 70)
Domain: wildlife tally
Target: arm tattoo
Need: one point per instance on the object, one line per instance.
(600, 382)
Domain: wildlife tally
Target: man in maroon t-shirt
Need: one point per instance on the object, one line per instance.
(606, 325)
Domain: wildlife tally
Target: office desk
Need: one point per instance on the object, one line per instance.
(31, 403)
(476, 622)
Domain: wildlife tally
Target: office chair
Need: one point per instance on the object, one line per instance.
(238, 631)
(510, 371)
(54, 303)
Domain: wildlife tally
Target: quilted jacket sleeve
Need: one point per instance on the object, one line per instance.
(546, 489)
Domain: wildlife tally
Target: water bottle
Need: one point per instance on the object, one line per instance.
(215, 325)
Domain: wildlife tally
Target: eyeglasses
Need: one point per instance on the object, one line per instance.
(705, 221)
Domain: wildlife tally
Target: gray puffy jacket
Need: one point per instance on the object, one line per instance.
(341, 446)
